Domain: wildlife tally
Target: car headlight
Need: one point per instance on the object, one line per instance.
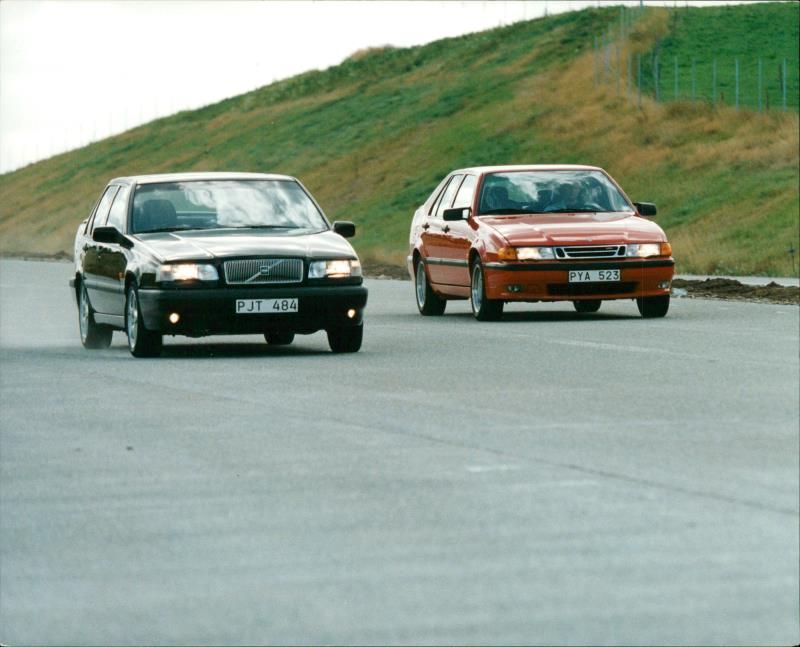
(340, 268)
(186, 272)
(535, 253)
(643, 250)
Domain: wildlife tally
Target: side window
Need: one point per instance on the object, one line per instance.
(466, 192)
(438, 193)
(119, 209)
(447, 196)
(101, 213)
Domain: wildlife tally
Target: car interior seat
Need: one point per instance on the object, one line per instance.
(154, 214)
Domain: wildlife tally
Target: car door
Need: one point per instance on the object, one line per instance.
(93, 252)
(457, 237)
(433, 236)
(114, 258)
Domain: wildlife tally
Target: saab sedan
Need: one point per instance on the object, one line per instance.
(502, 234)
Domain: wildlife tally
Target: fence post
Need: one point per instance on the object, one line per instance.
(784, 85)
(639, 79)
(676, 92)
(655, 78)
(737, 83)
(630, 73)
(714, 82)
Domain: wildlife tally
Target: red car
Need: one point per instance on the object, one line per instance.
(537, 233)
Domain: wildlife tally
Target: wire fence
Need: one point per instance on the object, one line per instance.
(746, 81)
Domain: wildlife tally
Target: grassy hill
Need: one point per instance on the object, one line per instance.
(372, 137)
(701, 41)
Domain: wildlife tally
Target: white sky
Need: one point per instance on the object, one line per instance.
(72, 72)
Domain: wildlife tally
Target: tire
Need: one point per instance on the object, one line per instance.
(484, 309)
(279, 337)
(429, 303)
(93, 335)
(653, 307)
(592, 305)
(346, 339)
(141, 342)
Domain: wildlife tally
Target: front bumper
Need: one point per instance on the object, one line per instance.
(549, 281)
(212, 311)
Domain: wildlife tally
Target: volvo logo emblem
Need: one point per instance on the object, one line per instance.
(266, 269)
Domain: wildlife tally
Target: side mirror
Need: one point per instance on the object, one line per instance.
(110, 235)
(344, 228)
(645, 208)
(458, 213)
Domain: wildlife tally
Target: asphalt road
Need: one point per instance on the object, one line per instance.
(550, 478)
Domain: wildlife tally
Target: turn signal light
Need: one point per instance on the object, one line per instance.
(507, 254)
(666, 249)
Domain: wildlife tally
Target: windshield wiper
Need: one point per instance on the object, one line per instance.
(574, 210)
(162, 230)
(509, 211)
(267, 227)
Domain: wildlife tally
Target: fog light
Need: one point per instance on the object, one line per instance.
(664, 285)
(174, 318)
(513, 287)
(351, 313)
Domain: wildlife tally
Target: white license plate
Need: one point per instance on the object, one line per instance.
(592, 276)
(265, 306)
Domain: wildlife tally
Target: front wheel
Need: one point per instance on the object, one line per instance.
(141, 342)
(484, 309)
(652, 307)
(592, 305)
(93, 335)
(346, 339)
(428, 302)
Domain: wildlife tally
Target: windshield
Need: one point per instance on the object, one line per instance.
(550, 192)
(215, 204)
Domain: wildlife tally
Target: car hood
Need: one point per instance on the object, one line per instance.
(213, 244)
(574, 228)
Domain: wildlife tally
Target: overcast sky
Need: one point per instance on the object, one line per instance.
(72, 72)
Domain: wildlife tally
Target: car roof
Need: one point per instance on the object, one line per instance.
(483, 170)
(188, 177)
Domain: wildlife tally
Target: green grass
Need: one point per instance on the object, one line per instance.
(373, 136)
(699, 39)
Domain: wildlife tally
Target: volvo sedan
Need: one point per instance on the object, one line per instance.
(500, 234)
(215, 253)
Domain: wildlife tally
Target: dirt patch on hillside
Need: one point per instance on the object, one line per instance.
(707, 289)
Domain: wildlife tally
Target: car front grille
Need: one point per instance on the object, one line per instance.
(591, 251)
(257, 271)
(589, 289)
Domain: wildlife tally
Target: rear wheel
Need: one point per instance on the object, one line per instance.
(93, 335)
(428, 302)
(279, 338)
(652, 307)
(141, 342)
(346, 339)
(484, 309)
(593, 305)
